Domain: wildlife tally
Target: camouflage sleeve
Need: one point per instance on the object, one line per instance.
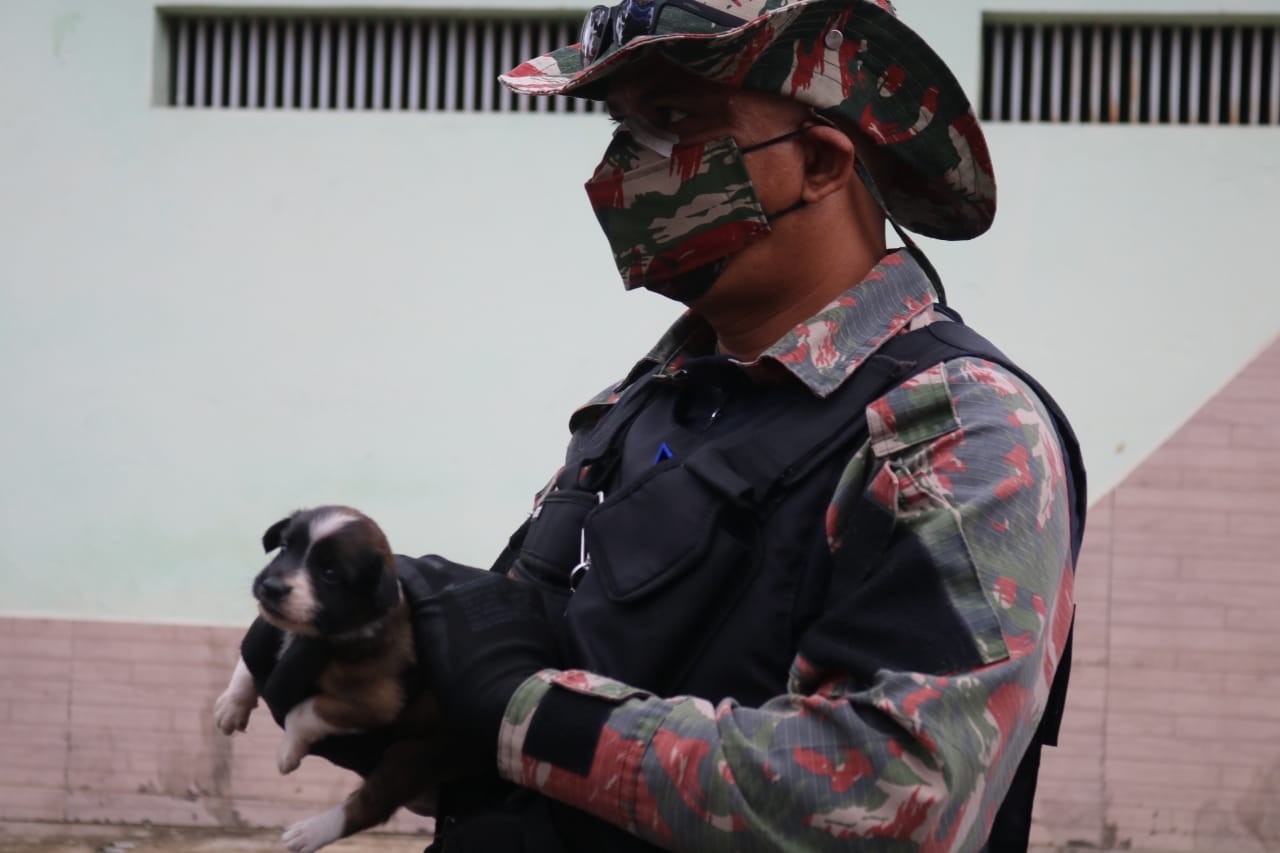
(958, 500)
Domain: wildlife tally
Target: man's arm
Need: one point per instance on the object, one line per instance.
(916, 690)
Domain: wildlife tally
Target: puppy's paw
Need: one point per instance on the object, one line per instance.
(308, 836)
(290, 755)
(231, 711)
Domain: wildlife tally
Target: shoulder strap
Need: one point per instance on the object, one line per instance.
(751, 471)
(600, 448)
(754, 472)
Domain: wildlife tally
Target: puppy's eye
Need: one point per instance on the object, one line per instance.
(329, 575)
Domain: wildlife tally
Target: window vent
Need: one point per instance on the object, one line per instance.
(1132, 72)
(358, 62)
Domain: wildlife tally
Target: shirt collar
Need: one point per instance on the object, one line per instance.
(826, 349)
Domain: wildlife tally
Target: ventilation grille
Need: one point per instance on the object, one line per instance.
(1131, 73)
(433, 64)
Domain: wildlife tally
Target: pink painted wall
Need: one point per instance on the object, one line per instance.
(1172, 735)
(113, 722)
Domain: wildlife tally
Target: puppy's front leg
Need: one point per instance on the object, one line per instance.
(303, 726)
(232, 709)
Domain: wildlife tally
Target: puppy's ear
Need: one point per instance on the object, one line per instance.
(274, 537)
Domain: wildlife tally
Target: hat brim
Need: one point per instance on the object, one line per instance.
(563, 72)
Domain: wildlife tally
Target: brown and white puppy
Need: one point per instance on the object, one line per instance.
(334, 577)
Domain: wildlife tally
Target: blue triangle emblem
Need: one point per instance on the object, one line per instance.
(664, 453)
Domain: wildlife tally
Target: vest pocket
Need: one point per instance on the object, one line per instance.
(669, 559)
(646, 539)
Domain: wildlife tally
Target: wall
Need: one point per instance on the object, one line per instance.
(1171, 739)
(113, 723)
(209, 318)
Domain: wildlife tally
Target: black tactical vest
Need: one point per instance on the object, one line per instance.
(691, 523)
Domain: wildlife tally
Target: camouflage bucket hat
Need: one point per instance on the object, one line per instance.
(851, 59)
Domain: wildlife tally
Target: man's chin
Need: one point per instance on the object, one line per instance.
(691, 286)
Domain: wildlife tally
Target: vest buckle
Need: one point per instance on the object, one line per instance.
(578, 572)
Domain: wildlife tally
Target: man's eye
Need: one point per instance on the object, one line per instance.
(666, 117)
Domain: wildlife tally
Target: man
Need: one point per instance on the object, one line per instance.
(809, 564)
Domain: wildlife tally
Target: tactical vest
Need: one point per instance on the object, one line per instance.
(697, 571)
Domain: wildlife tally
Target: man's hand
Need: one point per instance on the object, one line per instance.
(289, 683)
(479, 636)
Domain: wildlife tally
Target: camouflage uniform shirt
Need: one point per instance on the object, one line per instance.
(965, 460)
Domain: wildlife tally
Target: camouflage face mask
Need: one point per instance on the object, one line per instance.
(673, 221)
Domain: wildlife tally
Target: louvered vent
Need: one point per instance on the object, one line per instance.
(359, 62)
(1141, 72)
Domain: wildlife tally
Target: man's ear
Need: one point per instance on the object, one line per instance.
(274, 537)
(828, 162)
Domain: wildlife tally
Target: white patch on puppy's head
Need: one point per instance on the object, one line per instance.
(302, 605)
(328, 524)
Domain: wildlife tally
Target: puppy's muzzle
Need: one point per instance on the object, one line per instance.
(272, 591)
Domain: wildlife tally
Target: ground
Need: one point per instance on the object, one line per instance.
(102, 838)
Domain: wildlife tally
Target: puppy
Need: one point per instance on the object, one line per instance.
(333, 580)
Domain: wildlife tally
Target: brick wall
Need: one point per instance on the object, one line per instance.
(1172, 734)
(1171, 739)
(114, 722)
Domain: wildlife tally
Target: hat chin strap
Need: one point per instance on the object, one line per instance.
(912, 247)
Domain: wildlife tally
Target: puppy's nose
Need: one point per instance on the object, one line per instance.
(273, 589)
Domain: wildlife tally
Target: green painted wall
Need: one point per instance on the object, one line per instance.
(210, 318)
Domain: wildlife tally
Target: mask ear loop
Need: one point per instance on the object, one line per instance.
(801, 131)
(916, 252)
